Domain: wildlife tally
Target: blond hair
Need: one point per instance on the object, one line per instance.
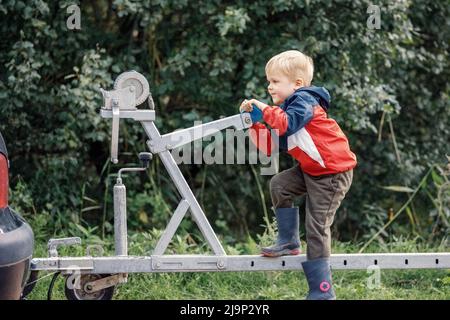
(293, 64)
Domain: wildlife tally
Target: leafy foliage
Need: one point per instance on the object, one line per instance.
(389, 87)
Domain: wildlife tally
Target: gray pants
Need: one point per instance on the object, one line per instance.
(324, 194)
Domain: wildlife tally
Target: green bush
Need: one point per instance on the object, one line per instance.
(389, 87)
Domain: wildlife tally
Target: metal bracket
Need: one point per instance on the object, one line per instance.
(123, 97)
(66, 265)
(180, 263)
(53, 244)
(137, 115)
(130, 89)
(106, 282)
(115, 132)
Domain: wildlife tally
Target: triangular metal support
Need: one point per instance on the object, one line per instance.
(188, 200)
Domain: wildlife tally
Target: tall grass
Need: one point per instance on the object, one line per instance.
(395, 284)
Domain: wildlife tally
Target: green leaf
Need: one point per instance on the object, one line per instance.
(398, 189)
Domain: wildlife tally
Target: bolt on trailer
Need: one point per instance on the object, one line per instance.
(97, 276)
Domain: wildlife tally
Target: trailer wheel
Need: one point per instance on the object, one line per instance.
(73, 293)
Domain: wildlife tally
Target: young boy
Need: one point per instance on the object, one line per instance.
(325, 169)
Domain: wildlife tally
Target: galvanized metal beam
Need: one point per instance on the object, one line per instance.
(181, 137)
(211, 263)
(171, 228)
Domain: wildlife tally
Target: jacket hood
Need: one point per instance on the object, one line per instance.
(320, 93)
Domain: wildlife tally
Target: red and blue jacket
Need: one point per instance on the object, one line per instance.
(306, 133)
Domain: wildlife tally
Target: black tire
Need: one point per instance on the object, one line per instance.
(80, 294)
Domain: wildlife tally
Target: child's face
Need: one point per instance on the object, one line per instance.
(280, 87)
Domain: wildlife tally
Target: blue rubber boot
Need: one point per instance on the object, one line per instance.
(288, 241)
(318, 274)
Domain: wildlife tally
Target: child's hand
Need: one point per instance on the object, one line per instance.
(246, 106)
(251, 106)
